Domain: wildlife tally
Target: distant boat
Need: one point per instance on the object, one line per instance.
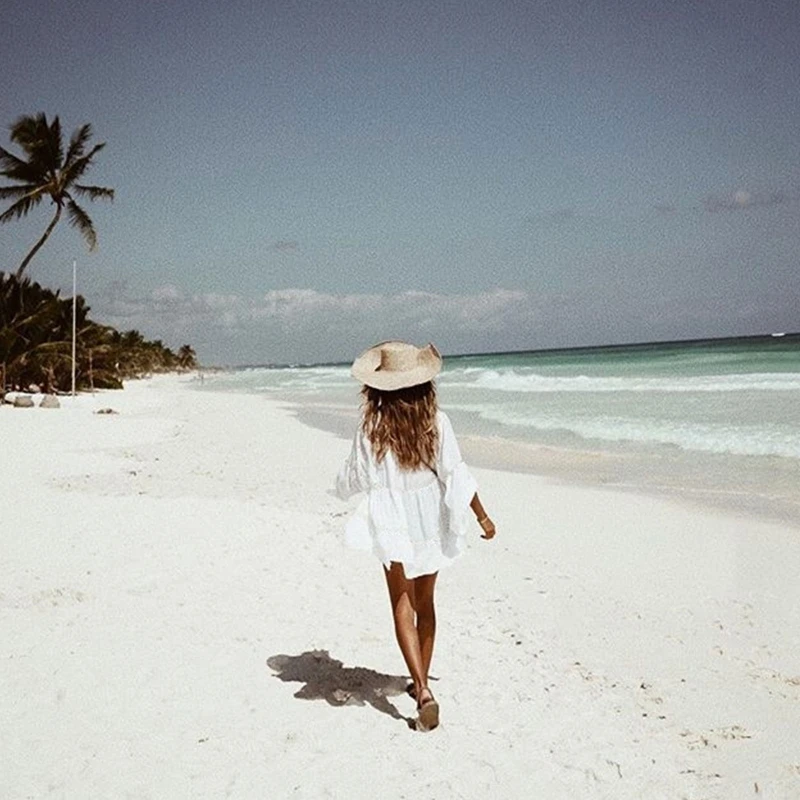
(778, 335)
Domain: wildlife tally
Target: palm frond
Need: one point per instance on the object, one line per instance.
(94, 192)
(40, 141)
(18, 170)
(74, 170)
(27, 130)
(35, 321)
(17, 191)
(77, 144)
(55, 145)
(79, 219)
(21, 207)
(9, 160)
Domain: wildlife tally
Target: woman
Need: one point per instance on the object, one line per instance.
(418, 495)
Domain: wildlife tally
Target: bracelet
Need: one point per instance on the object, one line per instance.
(481, 521)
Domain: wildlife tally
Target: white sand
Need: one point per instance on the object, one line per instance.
(603, 646)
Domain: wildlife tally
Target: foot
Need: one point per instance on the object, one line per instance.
(427, 711)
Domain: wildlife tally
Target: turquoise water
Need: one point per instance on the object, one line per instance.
(728, 397)
(721, 416)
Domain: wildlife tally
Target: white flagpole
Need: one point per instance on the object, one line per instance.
(74, 317)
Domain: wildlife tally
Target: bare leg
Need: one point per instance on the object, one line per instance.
(401, 595)
(426, 618)
(415, 627)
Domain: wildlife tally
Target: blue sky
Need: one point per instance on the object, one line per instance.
(296, 180)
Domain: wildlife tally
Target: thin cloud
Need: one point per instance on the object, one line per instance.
(301, 324)
(743, 199)
(166, 293)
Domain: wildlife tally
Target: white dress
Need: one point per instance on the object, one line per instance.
(417, 517)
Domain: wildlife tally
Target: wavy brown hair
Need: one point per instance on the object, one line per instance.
(403, 421)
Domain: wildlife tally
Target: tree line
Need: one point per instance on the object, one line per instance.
(35, 322)
(36, 344)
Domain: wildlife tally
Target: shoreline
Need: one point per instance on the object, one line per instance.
(179, 617)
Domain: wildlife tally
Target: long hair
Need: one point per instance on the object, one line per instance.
(403, 421)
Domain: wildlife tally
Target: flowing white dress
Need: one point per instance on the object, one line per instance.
(417, 517)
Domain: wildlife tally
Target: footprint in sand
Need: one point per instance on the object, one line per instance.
(787, 686)
(47, 598)
(715, 737)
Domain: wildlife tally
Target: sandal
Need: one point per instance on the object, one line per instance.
(427, 712)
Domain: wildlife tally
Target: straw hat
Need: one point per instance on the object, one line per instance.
(396, 365)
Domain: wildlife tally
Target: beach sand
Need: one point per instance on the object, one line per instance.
(179, 618)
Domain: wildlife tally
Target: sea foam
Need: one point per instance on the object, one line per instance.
(513, 381)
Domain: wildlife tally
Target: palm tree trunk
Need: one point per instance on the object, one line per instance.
(38, 244)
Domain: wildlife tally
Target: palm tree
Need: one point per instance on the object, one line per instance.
(47, 172)
(34, 330)
(187, 358)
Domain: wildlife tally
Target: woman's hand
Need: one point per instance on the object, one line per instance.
(488, 528)
(483, 518)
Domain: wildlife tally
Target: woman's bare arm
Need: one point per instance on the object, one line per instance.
(483, 518)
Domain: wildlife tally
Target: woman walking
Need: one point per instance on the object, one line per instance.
(418, 496)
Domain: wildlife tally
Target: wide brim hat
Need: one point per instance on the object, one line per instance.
(396, 365)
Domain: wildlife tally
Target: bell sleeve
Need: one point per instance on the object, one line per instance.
(353, 477)
(459, 485)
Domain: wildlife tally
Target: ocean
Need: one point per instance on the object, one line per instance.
(715, 421)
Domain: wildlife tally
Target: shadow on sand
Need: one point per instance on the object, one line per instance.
(327, 679)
